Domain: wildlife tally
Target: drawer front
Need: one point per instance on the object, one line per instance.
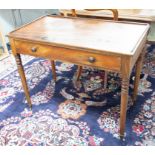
(32, 49)
(109, 62)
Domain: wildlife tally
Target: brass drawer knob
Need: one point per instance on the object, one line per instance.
(91, 59)
(34, 49)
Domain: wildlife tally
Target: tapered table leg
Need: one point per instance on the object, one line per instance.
(124, 102)
(137, 76)
(53, 70)
(79, 71)
(23, 78)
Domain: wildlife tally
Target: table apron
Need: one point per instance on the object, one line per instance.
(79, 57)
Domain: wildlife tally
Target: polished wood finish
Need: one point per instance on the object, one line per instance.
(65, 39)
(115, 17)
(136, 15)
(125, 75)
(53, 70)
(73, 34)
(23, 78)
(79, 57)
(79, 71)
(114, 12)
(124, 101)
(21, 72)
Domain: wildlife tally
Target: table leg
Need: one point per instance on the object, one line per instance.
(23, 78)
(124, 102)
(137, 76)
(53, 70)
(79, 71)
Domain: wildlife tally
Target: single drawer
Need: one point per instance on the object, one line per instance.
(80, 57)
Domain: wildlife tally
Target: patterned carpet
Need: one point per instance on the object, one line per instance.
(70, 113)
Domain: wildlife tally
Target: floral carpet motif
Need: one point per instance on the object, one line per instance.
(74, 113)
(43, 128)
(72, 109)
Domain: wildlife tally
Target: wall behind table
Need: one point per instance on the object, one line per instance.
(13, 18)
(6, 22)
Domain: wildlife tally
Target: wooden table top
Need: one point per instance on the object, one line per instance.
(83, 33)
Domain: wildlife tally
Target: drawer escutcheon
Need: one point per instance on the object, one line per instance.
(34, 49)
(91, 59)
